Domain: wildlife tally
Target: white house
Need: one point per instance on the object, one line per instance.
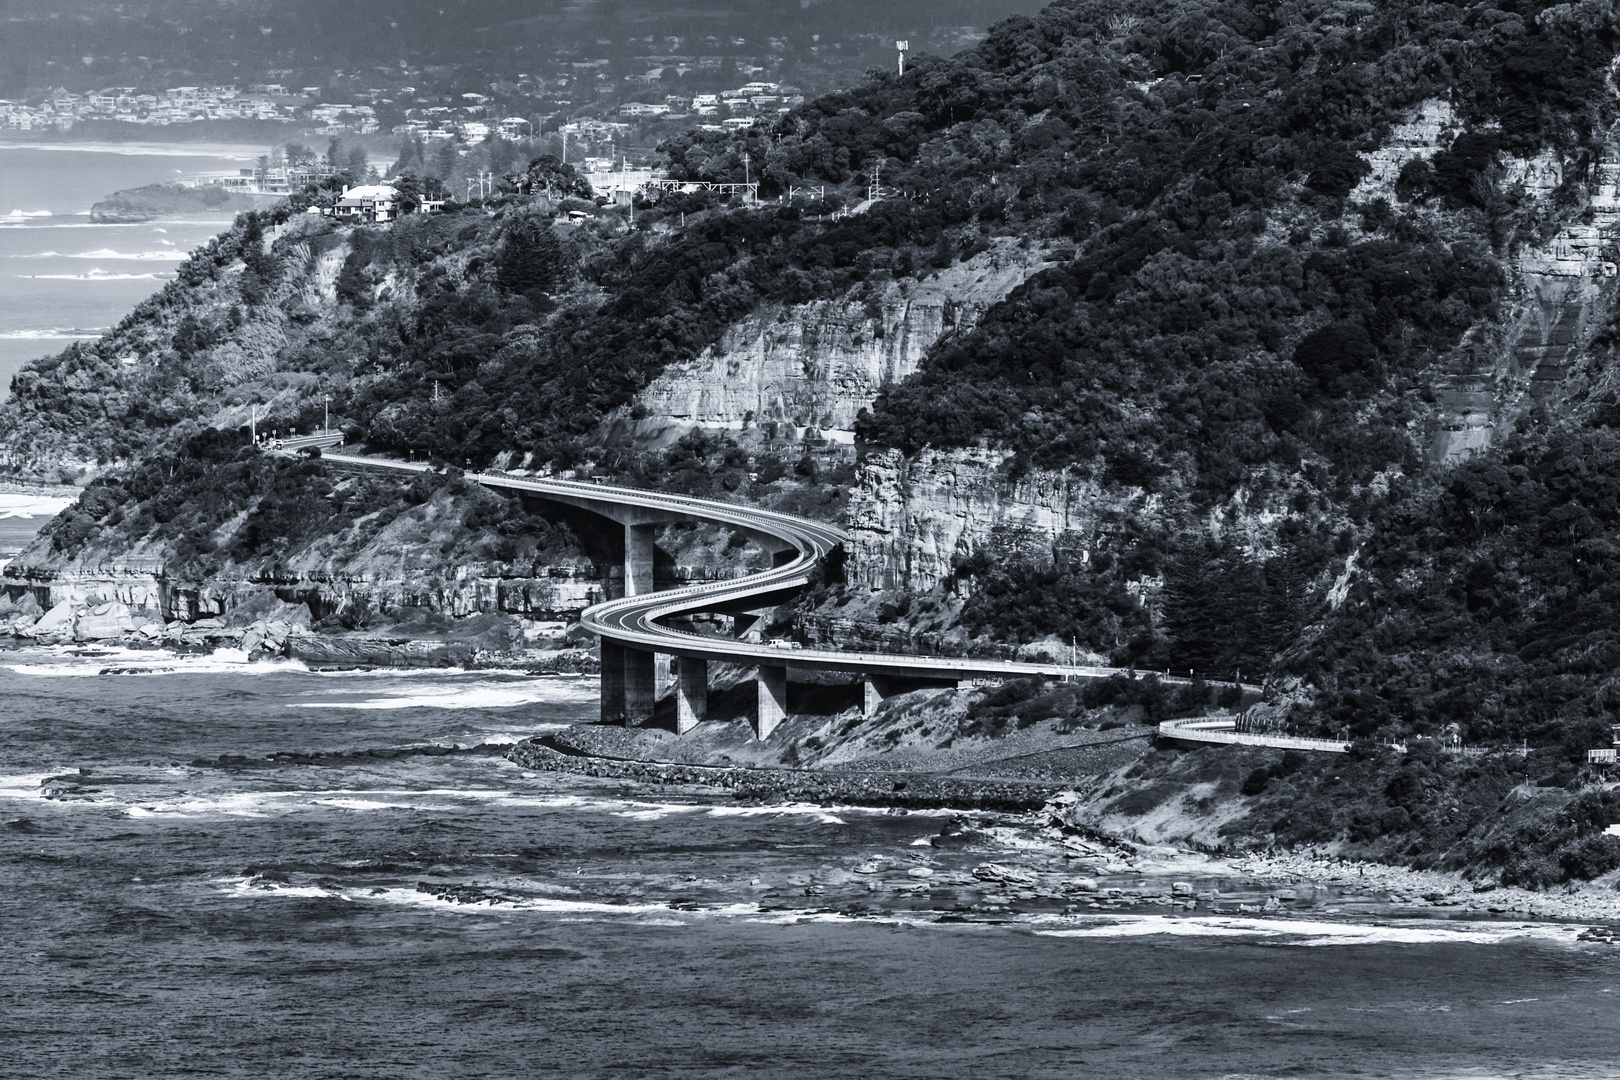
(368, 202)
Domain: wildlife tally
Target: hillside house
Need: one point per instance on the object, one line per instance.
(368, 202)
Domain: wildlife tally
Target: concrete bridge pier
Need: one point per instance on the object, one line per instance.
(640, 668)
(876, 689)
(691, 693)
(772, 683)
(640, 684)
(638, 559)
(612, 680)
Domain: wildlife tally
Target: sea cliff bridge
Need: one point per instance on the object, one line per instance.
(634, 634)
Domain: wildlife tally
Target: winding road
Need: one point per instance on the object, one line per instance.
(636, 621)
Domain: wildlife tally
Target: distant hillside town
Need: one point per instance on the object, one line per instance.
(631, 92)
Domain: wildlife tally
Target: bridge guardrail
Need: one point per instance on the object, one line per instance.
(631, 620)
(1205, 730)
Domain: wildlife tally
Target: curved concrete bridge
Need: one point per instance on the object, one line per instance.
(633, 636)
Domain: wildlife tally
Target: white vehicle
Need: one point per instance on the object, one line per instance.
(783, 643)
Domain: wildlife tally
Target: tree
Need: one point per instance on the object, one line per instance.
(1340, 357)
(358, 163)
(445, 160)
(531, 258)
(407, 192)
(549, 174)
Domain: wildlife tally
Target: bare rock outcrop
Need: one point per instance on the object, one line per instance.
(817, 365)
(910, 518)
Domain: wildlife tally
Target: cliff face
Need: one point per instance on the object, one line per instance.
(817, 365)
(909, 518)
(1562, 280)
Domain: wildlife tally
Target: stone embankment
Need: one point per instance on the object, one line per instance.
(904, 790)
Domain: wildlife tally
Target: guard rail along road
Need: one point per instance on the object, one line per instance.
(634, 635)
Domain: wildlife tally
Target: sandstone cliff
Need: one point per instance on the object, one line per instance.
(817, 365)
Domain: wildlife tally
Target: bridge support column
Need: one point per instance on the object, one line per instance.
(612, 680)
(691, 693)
(877, 688)
(772, 700)
(638, 559)
(640, 685)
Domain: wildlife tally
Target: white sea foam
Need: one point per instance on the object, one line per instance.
(501, 738)
(542, 689)
(249, 887)
(59, 223)
(109, 253)
(25, 785)
(1309, 932)
(133, 662)
(31, 506)
(55, 333)
(92, 275)
(20, 215)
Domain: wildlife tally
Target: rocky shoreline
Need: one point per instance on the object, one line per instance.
(1425, 890)
(900, 790)
(1245, 884)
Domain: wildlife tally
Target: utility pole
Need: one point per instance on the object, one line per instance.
(253, 423)
(901, 47)
(328, 426)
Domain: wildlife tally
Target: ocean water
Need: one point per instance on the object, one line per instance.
(176, 899)
(63, 278)
(22, 515)
(216, 868)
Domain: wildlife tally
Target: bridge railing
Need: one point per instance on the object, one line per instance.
(1224, 731)
(299, 442)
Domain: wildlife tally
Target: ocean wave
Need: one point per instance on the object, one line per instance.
(93, 275)
(55, 333)
(542, 690)
(1311, 933)
(248, 887)
(25, 785)
(281, 803)
(144, 662)
(31, 506)
(19, 215)
(58, 223)
(109, 253)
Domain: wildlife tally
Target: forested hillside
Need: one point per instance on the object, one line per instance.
(1235, 337)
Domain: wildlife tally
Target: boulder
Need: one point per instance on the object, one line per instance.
(1012, 875)
(58, 620)
(105, 621)
(1181, 888)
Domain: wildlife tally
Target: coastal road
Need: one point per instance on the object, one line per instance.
(634, 621)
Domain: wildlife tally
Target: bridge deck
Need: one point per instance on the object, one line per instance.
(633, 620)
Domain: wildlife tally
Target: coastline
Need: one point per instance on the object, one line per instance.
(1246, 884)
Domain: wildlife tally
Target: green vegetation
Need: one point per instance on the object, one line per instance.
(220, 508)
(1522, 820)
(1232, 349)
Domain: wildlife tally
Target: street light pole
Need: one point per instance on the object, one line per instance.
(328, 426)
